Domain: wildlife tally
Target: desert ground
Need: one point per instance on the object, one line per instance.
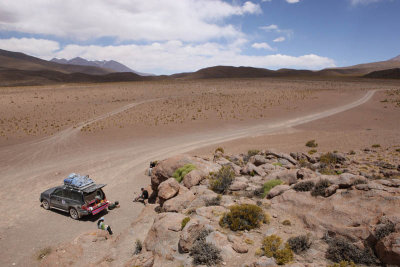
(112, 131)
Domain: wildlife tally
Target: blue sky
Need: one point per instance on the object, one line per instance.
(170, 36)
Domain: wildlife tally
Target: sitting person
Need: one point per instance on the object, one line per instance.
(143, 197)
(101, 225)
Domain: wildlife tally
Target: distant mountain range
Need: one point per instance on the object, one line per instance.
(19, 69)
(111, 65)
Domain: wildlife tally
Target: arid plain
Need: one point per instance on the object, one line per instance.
(111, 131)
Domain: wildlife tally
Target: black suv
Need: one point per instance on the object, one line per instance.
(77, 201)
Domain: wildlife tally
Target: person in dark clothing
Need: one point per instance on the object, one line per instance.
(143, 197)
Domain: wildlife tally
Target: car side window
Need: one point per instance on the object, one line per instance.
(58, 192)
(76, 196)
(67, 193)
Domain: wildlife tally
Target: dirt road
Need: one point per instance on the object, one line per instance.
(28, 169)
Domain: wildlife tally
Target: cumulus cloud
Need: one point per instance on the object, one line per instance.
(151, 20)
(262, 46)
(292, 1)
(31, 46)
(279, 39)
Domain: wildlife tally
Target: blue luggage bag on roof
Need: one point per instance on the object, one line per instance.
(77, 180)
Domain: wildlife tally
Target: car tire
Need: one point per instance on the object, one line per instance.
(45, 204)
(74, 213)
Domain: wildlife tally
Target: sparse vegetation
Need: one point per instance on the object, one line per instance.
(312, 151)
(204, 253)
(138, 247)
(181, 172)
(243, 217)
(319, 188)
(299, 243)
(252, 152)
(269, 185)
(342, 250)
(311, 143)
(286, 223)
(271, 247)
(384, 229)
(304, 186)
(43, 253)
(219, 149)
(343, 264)
(184, 222)
(216, 201)
(376, 145)
(221, 180)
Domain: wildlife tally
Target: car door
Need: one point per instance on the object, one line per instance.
(56, 198)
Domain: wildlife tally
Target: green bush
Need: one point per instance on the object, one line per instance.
(269, 185)
(271, 247)
(319, 188)
(220, 181)
(342, 250)
(181, 172)
(184, 222)
(243, 217)
(299, 243)
(304, 186)
(312, 151)
(311, 143)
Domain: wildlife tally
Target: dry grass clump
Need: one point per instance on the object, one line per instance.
(342, 250)
(304, 186)
(299, 243)
(221, 180)
(243, 217)
(43, 253)
(319, 188)
(272, 247)
(269, 185)
(181, 172)
(311, 143)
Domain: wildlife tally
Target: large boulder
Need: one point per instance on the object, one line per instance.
(278, 190)
(258, 160)
(180, 202)
(193, 178)
(168, 189)
(166, 168)
(388, 249)
(163, 236)
(251, 169)
(190, 233)
(287, 176)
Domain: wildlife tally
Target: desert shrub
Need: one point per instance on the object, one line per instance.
(283, 256)
(203, 252)
(286, 222)
(398, 150)
(299, 243)
(303, 163)
(352, 152)
(311, 143)
(221, 180)
(181, 172)
(304, 186)
(219, 149)
(328, 171)
(43, 253)
(343, 264)
(376, 145)
(319, 188)
(184, 222)
(312, 151)
(215, 201)
(342, 250)
(360, 181)
(252, 152)
(138, 247)
(243, 217)
(269, 185)
(271, 247)
(277, 164)
(328, 159)
(383, 230)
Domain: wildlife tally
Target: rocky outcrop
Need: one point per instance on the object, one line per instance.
(168, 189)
(388, 249)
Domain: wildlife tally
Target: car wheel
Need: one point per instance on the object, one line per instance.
(45, 204)
(73, 213)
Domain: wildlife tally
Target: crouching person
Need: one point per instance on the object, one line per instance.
(101, 225)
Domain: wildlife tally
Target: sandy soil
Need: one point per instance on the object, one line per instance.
(112, 131)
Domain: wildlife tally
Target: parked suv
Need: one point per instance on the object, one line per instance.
(77, 201)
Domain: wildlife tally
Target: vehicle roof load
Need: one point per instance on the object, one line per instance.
(78, 181)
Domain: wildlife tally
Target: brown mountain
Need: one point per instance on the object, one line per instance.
(385, 74)
(20, 61)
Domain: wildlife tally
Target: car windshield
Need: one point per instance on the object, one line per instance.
(89, 197)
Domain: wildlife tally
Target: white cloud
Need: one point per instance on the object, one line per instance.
(270, 28)
(279, 39)
(292, 1)
(262, 46)
(363, 2)
(31, 46)
(152, 20)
